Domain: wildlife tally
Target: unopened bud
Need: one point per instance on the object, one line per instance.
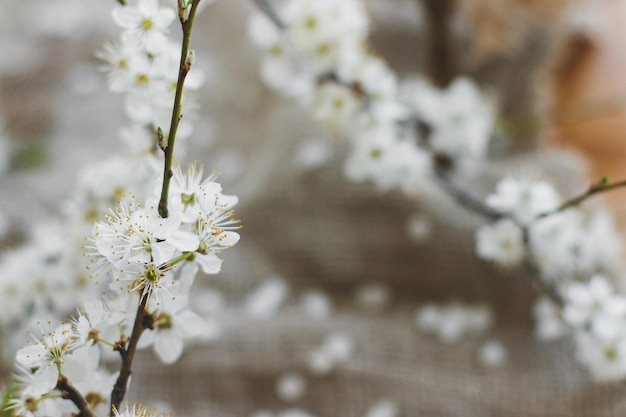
(191, 55)
(183, 10)
(161, 139)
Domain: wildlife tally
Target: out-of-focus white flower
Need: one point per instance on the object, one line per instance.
(294, 413)
(383, 408)
(595, 307)
(501, 242)
(460, 118)
(548, 324)
(290, 387)
(339, 346)
(605, 359)
(524, 199)
(492, 353)
(452, 321)
(313, 154)
(263, 302)
(335, 349)
(419, 227)
(335, 105)
(374, 296)
(147, 21)
(569, 245)
(316, 305)
(320, 362)
(389, 160)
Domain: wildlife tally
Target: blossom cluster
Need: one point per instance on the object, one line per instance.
(321, 58)
(46, 275)
(143, 65)
(565, 246)
(404, 134)
(140, 261)
(139, 258)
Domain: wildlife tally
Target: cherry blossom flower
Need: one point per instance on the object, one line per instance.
(148, 21)
(501, 242)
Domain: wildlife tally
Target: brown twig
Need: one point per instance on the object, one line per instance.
(68, 391)
(128, 354)
(531, 266)
(465, 199)
(600, 187)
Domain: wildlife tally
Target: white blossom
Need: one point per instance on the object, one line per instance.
(548, 323)
(594, 306)
(501, 242)
(147, 21)
(523, 198)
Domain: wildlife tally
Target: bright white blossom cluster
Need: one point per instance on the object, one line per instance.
(403, 135)
(142, 264)
(564, 244)
(565, 248)
(451, 322)
(321, 57)
(143, 65)
(43, 278)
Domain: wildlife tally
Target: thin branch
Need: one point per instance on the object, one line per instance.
(128, 354)
(270, 13)
(71, 393)
(465, 199)
(600, 187)
(531, 266)
(184, 67)
(469, 202)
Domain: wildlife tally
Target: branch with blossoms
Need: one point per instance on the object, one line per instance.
(146, 251)
(409, 135)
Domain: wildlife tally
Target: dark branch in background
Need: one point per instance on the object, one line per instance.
(271, 13)
(183, 69)
(439, 20)
(465, 199)
(122, 2)
(600, 187)
(533, 269)
(70, 393)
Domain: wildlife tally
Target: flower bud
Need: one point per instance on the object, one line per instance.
(191, 55)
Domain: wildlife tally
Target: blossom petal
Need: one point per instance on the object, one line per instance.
(168, 347)
(210, 263)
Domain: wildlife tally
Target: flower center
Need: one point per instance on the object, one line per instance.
(146, 24)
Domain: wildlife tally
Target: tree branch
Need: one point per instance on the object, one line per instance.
(128, 354)
(184, 67)
(68, 391)
(600, 187)
(465, 199)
